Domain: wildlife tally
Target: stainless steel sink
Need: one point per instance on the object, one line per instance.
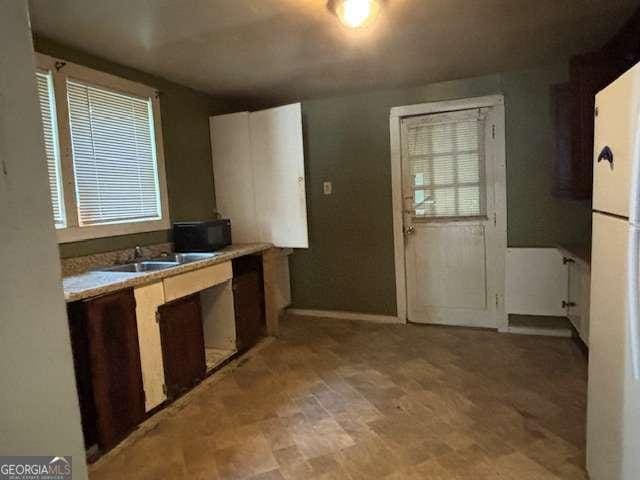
(144, 266)
(186, 257)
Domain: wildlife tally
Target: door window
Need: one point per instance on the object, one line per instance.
(445, 154)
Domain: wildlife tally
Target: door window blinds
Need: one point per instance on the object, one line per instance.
(114, 157)
(446, 158)
(51, 146)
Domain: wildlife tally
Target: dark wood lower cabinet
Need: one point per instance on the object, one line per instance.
(82, 368)
(104, 339)
(182, 339)
(106, 353)
(248, 301)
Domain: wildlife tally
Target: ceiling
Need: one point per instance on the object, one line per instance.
(296, 49)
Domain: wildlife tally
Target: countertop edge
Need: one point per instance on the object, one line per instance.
(140, 279)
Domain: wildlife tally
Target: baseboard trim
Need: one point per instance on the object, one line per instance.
(544, 332)
(363, 317)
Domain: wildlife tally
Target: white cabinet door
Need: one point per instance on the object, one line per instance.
(579, 293)
(233, 174)
(258, 167)
(536, 282)
(278, 175)
(148, 299)
(615, 124)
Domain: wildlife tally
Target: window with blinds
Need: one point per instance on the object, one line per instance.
(51, 145)
(114, 156)
(445, 155)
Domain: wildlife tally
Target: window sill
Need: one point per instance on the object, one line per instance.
(77, 234)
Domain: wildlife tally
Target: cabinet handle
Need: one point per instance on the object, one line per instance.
(606, 154)
(568, 304)
(566, 260)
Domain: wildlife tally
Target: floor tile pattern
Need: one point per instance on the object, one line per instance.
(334, 399)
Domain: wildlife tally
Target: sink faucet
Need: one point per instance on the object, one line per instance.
(137, 253)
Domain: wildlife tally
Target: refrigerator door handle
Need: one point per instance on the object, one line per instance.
(633, 295)
(606, 154)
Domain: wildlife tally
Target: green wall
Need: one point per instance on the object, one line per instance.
(349, 265)
(185, 131)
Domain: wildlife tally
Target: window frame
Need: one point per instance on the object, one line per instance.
(73, 232)
(57, 161)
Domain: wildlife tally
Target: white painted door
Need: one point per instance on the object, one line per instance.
(450, 220)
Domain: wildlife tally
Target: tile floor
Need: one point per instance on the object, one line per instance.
(334, 399)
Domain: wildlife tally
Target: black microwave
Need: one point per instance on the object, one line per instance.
(205, 236)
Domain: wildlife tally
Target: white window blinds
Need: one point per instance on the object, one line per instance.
(50, 132)
(446, 158)
(114, 157)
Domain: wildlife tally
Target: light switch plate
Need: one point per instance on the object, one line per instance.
(327, 188)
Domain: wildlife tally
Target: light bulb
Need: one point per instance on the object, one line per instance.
(357, 13)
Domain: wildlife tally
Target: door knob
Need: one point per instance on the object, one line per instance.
(410, 230)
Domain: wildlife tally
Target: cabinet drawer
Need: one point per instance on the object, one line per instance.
(195, 281)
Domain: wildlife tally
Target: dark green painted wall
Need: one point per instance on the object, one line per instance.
(349, 265)
(187, 151)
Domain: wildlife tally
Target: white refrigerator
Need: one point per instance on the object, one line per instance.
(613, 404)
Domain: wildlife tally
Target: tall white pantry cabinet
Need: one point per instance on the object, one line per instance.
(258, 167)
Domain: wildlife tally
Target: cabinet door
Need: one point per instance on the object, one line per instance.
(233, 174)
(115, 366)
(579, 295)
(248, 301)
(589, 74)
(82, 369)
(566, 175)
(536, 282)
(574, 296)
(148, 300)
(277, 156)
(182, 345)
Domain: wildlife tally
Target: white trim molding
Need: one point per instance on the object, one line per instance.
(395, 117)
(363, 317)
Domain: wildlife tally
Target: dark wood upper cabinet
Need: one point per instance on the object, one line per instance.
(562, 100)
(114, 363)
(574, 108)
(248, 301)
(182, 339)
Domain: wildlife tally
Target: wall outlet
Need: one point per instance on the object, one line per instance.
(327, 188)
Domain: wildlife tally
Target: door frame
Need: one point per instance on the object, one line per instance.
(395, 119)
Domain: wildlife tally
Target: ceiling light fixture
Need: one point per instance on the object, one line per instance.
(355, 13)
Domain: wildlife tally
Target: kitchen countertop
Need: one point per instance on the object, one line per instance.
(93, 283)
